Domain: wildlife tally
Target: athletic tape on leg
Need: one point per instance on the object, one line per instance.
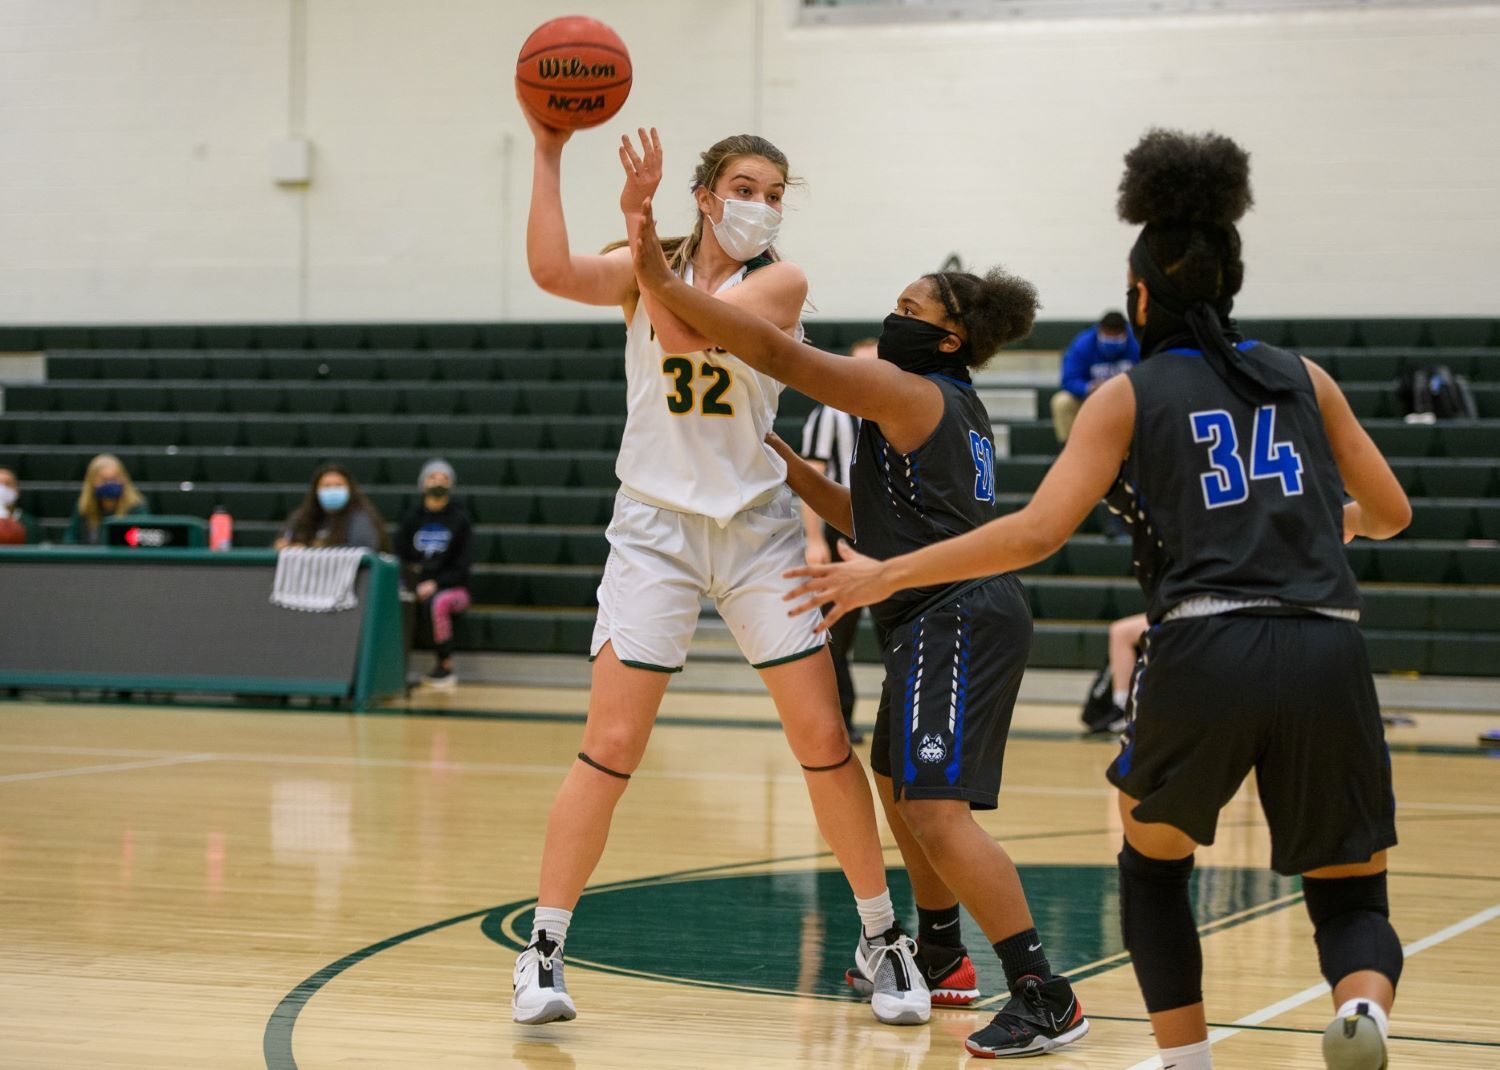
(827, 768)
(586, 760)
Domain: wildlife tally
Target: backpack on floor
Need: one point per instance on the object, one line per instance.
(1099, 707)
(1434, 391)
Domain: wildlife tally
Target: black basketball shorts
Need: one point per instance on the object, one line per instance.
(951, 678)
(1288, 696)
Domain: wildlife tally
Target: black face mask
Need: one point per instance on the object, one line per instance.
(912, 345)
(438, 492)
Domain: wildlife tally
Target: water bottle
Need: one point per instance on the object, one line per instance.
(220, 530)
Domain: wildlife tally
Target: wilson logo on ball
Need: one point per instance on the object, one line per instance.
(553, 69)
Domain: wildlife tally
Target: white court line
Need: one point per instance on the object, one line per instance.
(116, 767)
(509, 768)
(1265, 1014)
(1456, 808)
(110, 752)
(506, 768)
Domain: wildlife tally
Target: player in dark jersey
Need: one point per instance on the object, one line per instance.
(1230, 460)
(923, 472)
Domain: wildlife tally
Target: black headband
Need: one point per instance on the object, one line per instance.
(1210, 327)
(950, 299)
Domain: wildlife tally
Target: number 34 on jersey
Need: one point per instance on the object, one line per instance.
(1225, 482)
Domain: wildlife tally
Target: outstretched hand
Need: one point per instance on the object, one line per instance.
(651, 268)
(547, 137)
(642, 170)
(843, 586)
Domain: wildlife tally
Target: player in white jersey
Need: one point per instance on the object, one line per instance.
(702, 511)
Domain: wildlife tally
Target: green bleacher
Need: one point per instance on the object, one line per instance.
(531, 414)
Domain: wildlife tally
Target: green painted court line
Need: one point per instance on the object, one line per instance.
(1443, 876)
(276, 1042)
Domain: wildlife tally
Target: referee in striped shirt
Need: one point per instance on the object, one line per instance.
(828, 440)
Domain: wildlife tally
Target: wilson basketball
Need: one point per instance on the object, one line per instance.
(12, 532)
(573, 72)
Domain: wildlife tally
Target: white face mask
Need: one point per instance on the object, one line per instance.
(7, 496)
(747, 228)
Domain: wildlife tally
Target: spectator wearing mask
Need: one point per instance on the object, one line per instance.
(435, 546)
(1095, 356)
(335, 512)
(16, 525)
(107, 491)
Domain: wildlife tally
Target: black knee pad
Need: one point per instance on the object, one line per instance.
(606, 770)
(1156, 921)
(1351, 923)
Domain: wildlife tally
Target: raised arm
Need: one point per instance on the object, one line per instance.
(775, 293)
(590, 280)
(1082, 475)
(905, 406)
(823, 495)
(1380, 508)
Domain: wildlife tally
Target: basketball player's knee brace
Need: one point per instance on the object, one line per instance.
(1351, 923)
(606, 770)
(1156, 921)
(830, 768)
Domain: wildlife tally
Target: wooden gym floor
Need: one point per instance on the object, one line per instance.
(222, 887)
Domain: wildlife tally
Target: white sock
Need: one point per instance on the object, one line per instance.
(876, 913)
(1120, 697)
(553, 921)
(1188, 1057)
(1368, 1007)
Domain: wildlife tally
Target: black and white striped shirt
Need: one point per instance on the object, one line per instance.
(829, 436)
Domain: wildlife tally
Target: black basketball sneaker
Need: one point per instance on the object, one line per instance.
(1041, 1016)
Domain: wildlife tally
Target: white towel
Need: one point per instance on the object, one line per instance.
(316, 581)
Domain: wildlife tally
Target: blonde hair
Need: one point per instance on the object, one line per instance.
(711, 165)
(88, 504)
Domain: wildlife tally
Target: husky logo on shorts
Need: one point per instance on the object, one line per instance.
(931, 749)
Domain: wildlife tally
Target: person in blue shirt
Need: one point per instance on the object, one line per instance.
(1097, 354)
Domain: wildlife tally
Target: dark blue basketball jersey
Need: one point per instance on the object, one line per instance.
(1227, 498)
(944, 487)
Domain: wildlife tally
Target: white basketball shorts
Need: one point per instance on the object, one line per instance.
(662, 562)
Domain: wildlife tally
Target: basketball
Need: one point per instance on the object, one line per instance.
(12, 532)
(573, 73)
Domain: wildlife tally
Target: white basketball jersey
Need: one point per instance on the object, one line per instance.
(695, 426)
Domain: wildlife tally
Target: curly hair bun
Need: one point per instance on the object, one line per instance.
(1173, 177)
(996, 309)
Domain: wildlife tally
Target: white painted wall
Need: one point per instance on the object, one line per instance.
(136, 140)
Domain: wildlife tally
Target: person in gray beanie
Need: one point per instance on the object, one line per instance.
(434, 544)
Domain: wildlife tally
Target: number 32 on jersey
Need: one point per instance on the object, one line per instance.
(1225, 481)
(683, 400)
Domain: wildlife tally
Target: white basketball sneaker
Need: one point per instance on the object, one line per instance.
(1353, 1042)
(900, 995)
(541, 995)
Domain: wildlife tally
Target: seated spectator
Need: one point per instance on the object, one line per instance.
(1105, 709)
(1095, 356)
(16, 525)
(434, 546)
(107, 491)
(334, 513)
